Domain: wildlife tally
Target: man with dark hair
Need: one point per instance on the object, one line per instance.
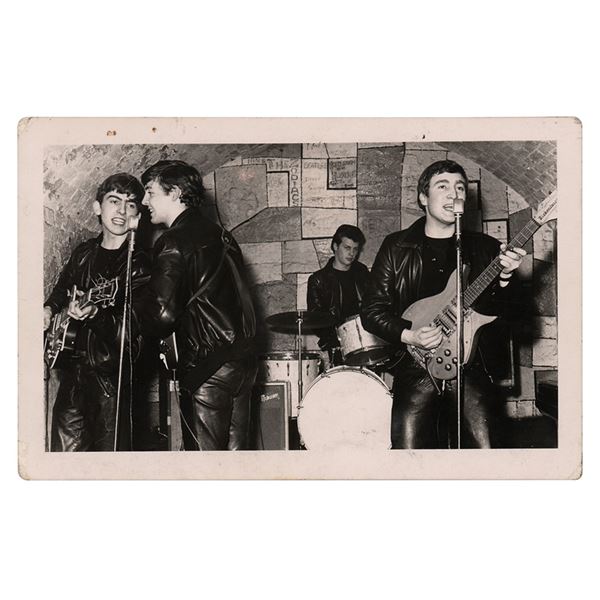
(85, 411)
(338, 287)
(417, 263)
(197, 291)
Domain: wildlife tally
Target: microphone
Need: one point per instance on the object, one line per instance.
(132, 225)
(459, 206)
(133, 222)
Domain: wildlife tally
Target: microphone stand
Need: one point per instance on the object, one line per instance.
(132, 223)
(458, 211)
(300, 320)
(48, 423)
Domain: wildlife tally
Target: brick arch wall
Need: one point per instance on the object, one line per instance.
(528, 167)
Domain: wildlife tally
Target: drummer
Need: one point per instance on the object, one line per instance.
(338, 287)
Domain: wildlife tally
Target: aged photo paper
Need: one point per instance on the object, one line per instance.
(282, 187)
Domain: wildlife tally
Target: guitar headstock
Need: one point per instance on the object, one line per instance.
(104, 292)
(547, 209)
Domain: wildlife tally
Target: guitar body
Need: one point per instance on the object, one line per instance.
(442, 362)
(60, 340)
(424, 311)
(174, 432)
(170, 357)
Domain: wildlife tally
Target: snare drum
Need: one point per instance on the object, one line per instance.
(359, 347)
(346, 407)
(283, 366)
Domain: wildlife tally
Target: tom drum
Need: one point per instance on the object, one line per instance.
(359, 347)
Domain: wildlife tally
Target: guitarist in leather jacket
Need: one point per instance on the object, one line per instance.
(416, 263)
(338, 287)
(197, 291)
(84, 413)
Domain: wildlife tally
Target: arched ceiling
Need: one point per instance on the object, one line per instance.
(529, 167)
(209, 157)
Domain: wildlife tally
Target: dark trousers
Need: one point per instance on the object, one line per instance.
(84, 417)
(419, 413)
(217, 415)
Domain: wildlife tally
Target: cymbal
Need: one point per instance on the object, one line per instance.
(288, 321)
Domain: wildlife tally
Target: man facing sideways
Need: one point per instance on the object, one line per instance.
(84, 413)
(197, 291)
(416, 263)
(338, 287)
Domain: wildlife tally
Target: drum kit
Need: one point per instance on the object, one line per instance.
(347, 406)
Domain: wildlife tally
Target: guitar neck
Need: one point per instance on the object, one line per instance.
(87, 299)
(102, 293)
(493, 269)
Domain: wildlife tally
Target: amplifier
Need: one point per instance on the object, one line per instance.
(269, 416)
(546, 393)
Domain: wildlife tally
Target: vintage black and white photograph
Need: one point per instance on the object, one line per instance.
(288, 303)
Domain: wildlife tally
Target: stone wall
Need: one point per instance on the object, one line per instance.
(284, 202)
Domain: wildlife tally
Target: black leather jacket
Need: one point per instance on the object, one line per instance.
(396, 276)
(186, 256)
(324, 294)
(98, 339)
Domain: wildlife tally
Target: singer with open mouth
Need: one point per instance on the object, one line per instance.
(91, 411)
(199, 299)
(417, 263)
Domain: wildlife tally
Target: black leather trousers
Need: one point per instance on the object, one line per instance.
(83, 416)
(421, 418)
(217, 415)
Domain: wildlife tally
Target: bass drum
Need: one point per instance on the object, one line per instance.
(346, 407)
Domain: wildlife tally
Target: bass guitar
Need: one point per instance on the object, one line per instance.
(61, 335)
(169, 357)
(440, 310)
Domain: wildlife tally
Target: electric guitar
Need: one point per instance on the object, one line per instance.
(60, 337)
(169, 357)
(440, 310)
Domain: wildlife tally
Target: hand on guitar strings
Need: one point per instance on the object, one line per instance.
(427, 337)
(78, 313)
(510, 260)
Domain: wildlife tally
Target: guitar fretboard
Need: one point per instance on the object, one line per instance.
(447, 317)
(491, 272)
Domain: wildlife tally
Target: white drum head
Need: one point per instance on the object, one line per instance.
(346, 407)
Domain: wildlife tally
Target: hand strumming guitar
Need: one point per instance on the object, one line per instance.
(47, 317)
(426, 337)
(78, 313)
